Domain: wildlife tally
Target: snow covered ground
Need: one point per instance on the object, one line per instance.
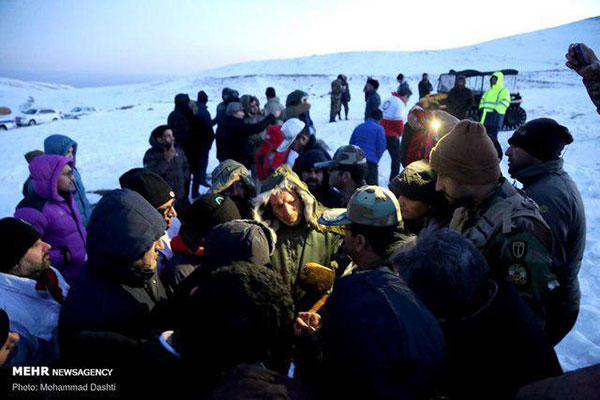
(114, 139)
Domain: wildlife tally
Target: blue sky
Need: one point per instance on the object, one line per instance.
(132, 40)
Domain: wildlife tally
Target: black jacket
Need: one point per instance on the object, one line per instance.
(174, 172)
(460, 101)
(203, 128)
(234, 138)
(499, 349)
(425, 88)
(373, 101)
(180, 121)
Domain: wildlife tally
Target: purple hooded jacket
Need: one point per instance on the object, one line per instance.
(55, 218)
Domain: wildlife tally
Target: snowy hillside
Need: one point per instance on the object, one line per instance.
(115, 139)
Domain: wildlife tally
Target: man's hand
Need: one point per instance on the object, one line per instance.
(307, 323)
(583, 60)
(170, 153)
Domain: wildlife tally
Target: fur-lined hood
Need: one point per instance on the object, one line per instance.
(285, 178)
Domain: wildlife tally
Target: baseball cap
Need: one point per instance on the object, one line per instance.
(345, 155)
(370, 206)
(290, 129)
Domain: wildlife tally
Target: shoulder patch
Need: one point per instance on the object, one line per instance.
(519, 249)
(517, 274)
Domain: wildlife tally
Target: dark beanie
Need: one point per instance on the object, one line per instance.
(202, 97)
(17, 236)
(416, 182)
(207, 211)
(373, 82)
(270, 92)
(543, 138)
(4, 325)
(308, 159)
(467, 155)
(150, 185)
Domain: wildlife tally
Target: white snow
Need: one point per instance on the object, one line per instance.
(114, 140)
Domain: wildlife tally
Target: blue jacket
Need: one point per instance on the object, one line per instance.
(370, 137)
(59, 145)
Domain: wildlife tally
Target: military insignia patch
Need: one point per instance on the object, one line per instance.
(519, 249)
(219, 200)
(517, 274)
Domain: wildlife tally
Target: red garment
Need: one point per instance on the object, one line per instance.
(393, 128)
(178, 246)
(49, 281)
(420, 146)
(268, 158)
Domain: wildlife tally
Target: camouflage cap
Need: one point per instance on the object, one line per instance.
(370, 206)
(228, 172)
(345, 155)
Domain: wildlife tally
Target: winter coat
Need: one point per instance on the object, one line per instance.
(273, 104)
(59, 145)
(180, 121)
(593, 89)
(379, 341)
(111, 294)
(373, 101)
(370, 137)
(581, 384)
(394, 115)
(460, 101)
(33, 314)
(268, 158)
(204, 134)
(336, 90)
(498, 349)
(425, 87)
(235, 136)
(346, 93)
(297, 245)
(55, 217)
(520, 251)
(562, 208)
(175, 172)
(496, 98)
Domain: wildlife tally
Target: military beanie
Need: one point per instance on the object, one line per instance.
(467, 155)
(17, 236)
(543, 138)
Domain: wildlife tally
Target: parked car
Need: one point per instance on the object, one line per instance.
(77, 112)
(36, 116)
(7, 120)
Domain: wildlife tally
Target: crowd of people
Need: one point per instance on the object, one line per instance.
(296, 275)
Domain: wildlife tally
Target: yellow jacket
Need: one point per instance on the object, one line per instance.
(497, 98)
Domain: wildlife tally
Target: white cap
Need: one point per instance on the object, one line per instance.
(290, 129)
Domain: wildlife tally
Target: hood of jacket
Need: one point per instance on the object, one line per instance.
(228, 172)
(45, 171)
(122, 228)
(239, 240)
(285, 178)
(295, 98)
(500, 76)
(59, 145)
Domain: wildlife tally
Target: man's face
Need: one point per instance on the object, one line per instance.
(287, 207)
(168, 212)
(313, 179)
(167, 138)
(9, 344)
(518, 159)
(65, 181)
(425, 77)
(412, 210)
(460, 82)
(150, 258)
(299, 143)
(337, 178)
(70, 152)
(34, 262)
(254, 108)
(238, 191)
(452, 190)
(369, 87)
(493, 80)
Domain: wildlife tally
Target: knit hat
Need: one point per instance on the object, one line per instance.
(150, 185)
(290, 129)
(467, 155)
(207, 211)
(543, 138)
(16, 236)
(309, 159)
(202, 97)
(373, 82)
(417, 182)
(370, 206)
(234, 107)
(4, 324)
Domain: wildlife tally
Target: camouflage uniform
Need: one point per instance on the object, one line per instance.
(513, 237)
(336, 99)
(297, 245)
(593, 88)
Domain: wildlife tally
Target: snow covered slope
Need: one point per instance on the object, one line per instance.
(115, 139)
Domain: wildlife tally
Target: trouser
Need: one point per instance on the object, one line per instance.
(372, 173)
(198, 165)
(345, 105)
(392, 144)
(336, 107)
(493, 122)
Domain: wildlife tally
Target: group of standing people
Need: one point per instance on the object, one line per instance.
(450, 283)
